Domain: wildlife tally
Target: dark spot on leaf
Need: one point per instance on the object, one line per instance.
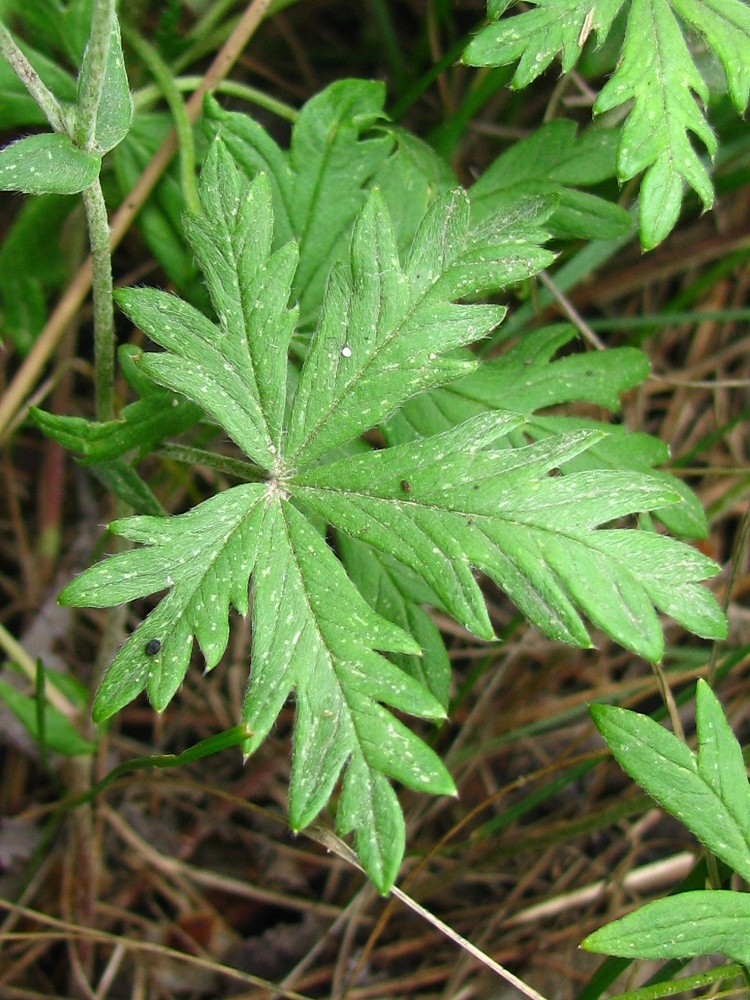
(406, 486)
(152, 647)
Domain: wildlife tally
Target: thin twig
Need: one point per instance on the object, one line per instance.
(332, 843)
(571, 312)
(671, 705)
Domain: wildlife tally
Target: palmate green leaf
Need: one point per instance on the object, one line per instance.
(313, 633)
(387, 329)
(707, 791)
(464, 505)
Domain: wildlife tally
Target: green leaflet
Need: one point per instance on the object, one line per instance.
(204, 559)
(47, 164)
(382, 328)
(387, 330)
(658, 74)
(536, 36)
(340, 683)
(236, 377)
(725, 24)
(703, 922)
(708, 791)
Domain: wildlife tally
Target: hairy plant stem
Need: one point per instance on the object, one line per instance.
(93, 70)
(104, 320)
(91, 85)
(71, 301)
(32, 81)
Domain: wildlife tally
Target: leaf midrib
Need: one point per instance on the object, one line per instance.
(352, 715)
(358, 376)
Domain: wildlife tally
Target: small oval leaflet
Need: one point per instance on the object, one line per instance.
(152, 647)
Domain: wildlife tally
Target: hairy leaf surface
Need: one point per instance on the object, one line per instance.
(48, 163)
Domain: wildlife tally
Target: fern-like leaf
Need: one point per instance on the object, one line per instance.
(656, 73)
